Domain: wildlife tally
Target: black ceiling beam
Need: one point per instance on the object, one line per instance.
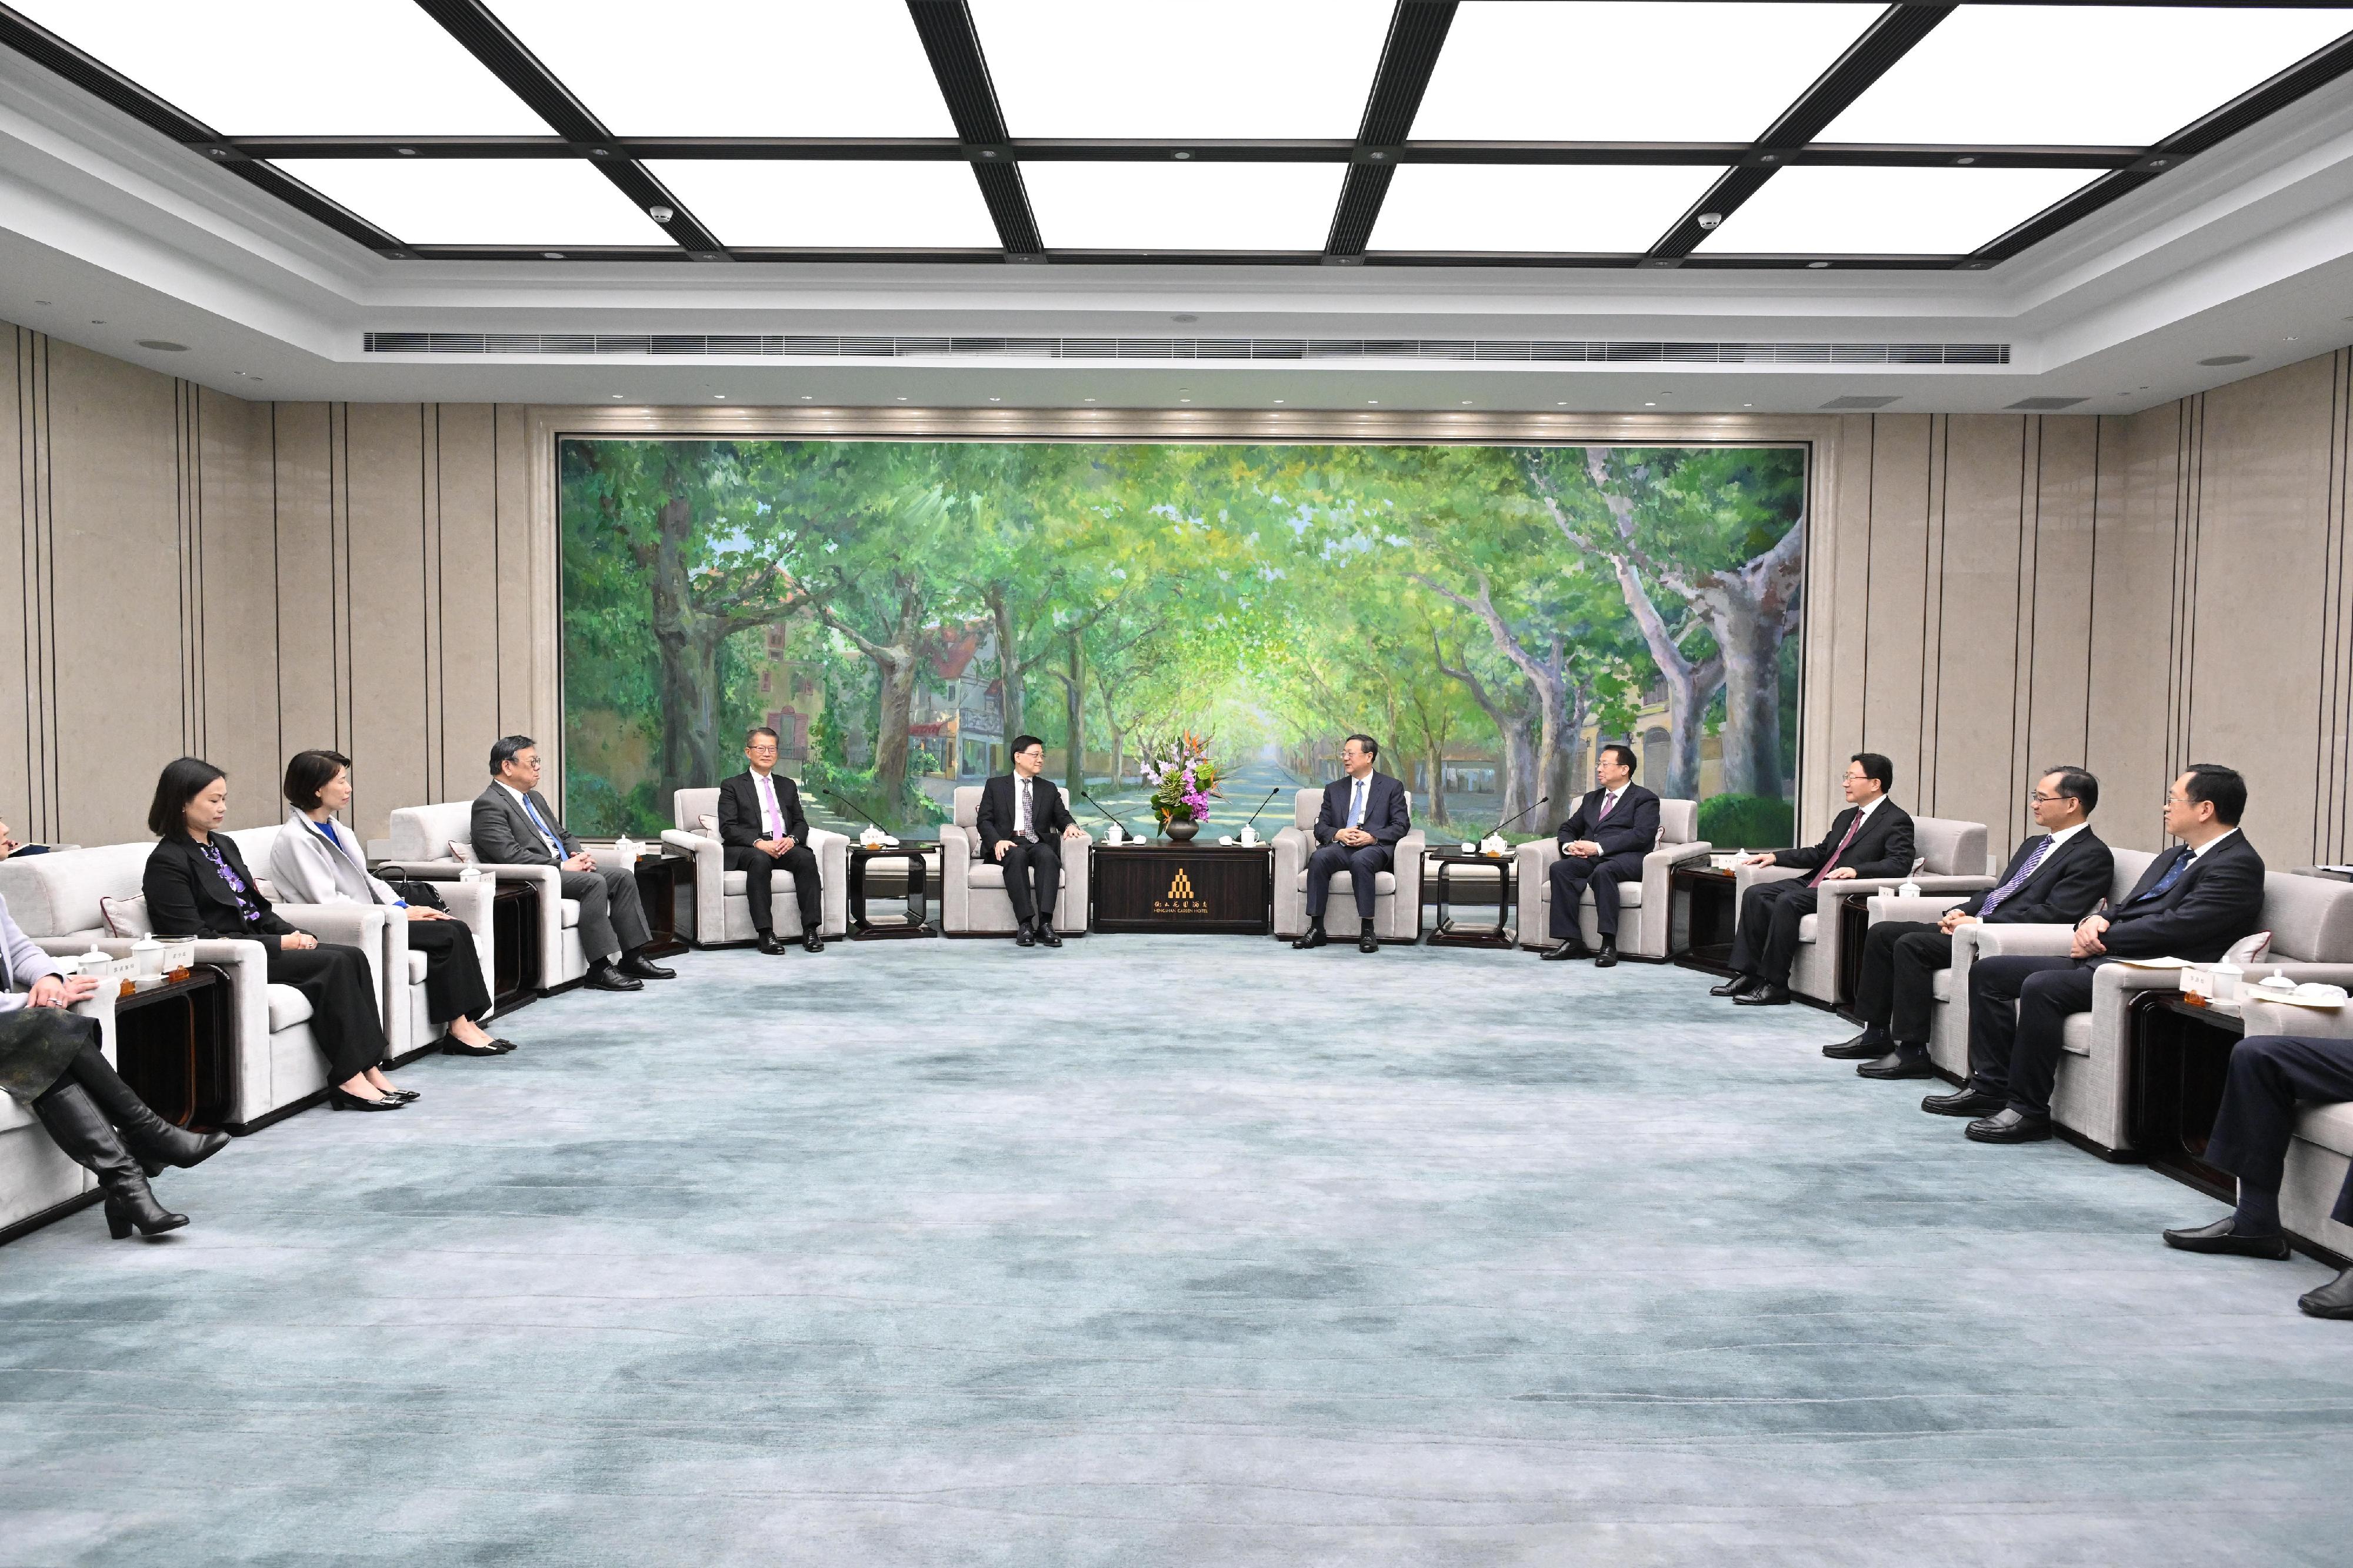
(714, 149)
(2315, 70)
(52, 53)
(1887, 40)
(953, 45)
(1417, 32)
(486, 38)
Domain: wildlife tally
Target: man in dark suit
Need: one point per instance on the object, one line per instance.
(1601, 844)
(514, 825)
(2271, 1078)
(761, 823)
(2056, 878)
(1023, 821)
(1363, 816)
(1871, 837)
(2193, 902)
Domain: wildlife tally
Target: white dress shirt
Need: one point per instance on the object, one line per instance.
(531, 814)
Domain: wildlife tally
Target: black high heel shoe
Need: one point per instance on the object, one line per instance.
(81, 1131)
(121, 1218)
(403, 1095)
(343, 1101)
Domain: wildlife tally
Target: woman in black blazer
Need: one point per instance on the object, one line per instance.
(197, 883)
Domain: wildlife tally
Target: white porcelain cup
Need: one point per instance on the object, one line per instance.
(2225, 978)
(1250, 836)
(148, 954)
(470, 874)
(1114, 835)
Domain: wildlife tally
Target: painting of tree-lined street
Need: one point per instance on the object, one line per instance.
(898, 611)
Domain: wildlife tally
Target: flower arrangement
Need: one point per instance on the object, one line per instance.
(1182, 777)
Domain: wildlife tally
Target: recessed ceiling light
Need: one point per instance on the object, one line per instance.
(1562, 404)
(617, 394)
(1278, 400)
(164, 346)
(553, 255)
(408, 152)
(1184, 400)
(1650, 405)
(902, 400)
(996, 400)
(2226, 359)
(1748, 406)
(1372, 400)
(1817, 266)
(720, 394)
(1183, 317)
(1466, 403)
(1181, 157)
(807, 397)
(1089, 400)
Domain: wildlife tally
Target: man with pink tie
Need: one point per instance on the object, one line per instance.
(761, 823)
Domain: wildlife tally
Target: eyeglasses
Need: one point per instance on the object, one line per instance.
(2038, 798)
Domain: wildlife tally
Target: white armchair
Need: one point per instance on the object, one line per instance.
(722, 913)
(973, 899)
(1956, 855)
(409, 1026)
(37, 1183)
(421, 837)
(276, 1065)
(1642, 906)
(1396, 892)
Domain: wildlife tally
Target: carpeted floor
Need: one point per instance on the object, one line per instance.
(1162, 1251)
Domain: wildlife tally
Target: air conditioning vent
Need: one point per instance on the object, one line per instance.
(1494, 350)
(1858, 403)
(2044, 404)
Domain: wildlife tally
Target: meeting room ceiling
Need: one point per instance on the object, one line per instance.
(1426, 133)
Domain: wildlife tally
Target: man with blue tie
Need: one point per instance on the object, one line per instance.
(514, 825)
(2193, 902)
(1363, 816)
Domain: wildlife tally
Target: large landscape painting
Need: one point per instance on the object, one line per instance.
(898, 611)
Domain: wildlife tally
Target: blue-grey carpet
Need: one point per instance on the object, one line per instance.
(1162, 1251)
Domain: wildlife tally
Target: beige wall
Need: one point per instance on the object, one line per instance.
(1987, 593)
(199, 573)
(2001, 593)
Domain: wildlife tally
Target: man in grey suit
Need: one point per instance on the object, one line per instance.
(514, 825)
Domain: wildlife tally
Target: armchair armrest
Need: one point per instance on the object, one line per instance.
(361, 926)
(1073, 910)
(2095, 1106)
(1888, 907)
(955, 877)
(1533, 862)
(1747, 877)
(2021, 940)
(832, 852)
(710, 882)
(2311, 1023)
(1292, 847)
(1961, 886)
(1405, 865)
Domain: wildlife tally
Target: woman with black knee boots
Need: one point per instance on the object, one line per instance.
(49, 1059)
(196, 882)
(317, 861)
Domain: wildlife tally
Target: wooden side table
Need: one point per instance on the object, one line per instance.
(2173, 1086)
(515, 945)
(916, 921)
(1709, 909)
(1485, 878)
(174, 1045)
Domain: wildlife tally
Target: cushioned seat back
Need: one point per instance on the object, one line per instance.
(2310, 917)
(966, 805)
(1678, 822)
(2130, 866)
(424, 832)
(688, 808)
(1953, 849)
(256, 844)
(57, 894)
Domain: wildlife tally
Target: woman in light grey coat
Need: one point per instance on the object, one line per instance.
(317, 861)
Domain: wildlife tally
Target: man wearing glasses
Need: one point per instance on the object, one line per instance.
(2193, 902)
(2056, 878)
(761, 823)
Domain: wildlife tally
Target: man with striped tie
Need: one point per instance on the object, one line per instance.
(2193, 902)
(1871, 837)
(2057, 878)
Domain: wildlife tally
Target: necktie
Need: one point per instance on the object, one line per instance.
(1852, 829)
(554, 845)
(1356, 805)
(1021, 816)
(772, 816)
(2165, 883)
(1607, 802)
(1993, 899)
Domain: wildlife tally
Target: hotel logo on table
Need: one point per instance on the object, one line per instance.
(1179, 898)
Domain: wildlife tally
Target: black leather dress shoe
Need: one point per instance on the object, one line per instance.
(812, 939)
(770, 945)
(1024, 937)
(2334, 1300)
(1735, 986)
(2007, 1126)
(2221, 1236)
(1968, 1100)
(1047, 935)
(638, 966)
(604, 977)
(1569, 947)
(1608, 957)
(1868, 1046)
(1366, 941)
(1763, 995)
(1314, 937)
(1896, 1064)
(454, 1046)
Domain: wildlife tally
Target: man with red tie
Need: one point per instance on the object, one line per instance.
(761, 823)
(1871, 837)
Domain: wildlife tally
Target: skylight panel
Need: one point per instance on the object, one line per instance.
(738, 67)
(825, 205)
(1888, 212)
(1184, 206)
(1264, 70)
(1631, 71)
(295, 67)
(528, 202)
(2079, 75)
(1544, 207)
